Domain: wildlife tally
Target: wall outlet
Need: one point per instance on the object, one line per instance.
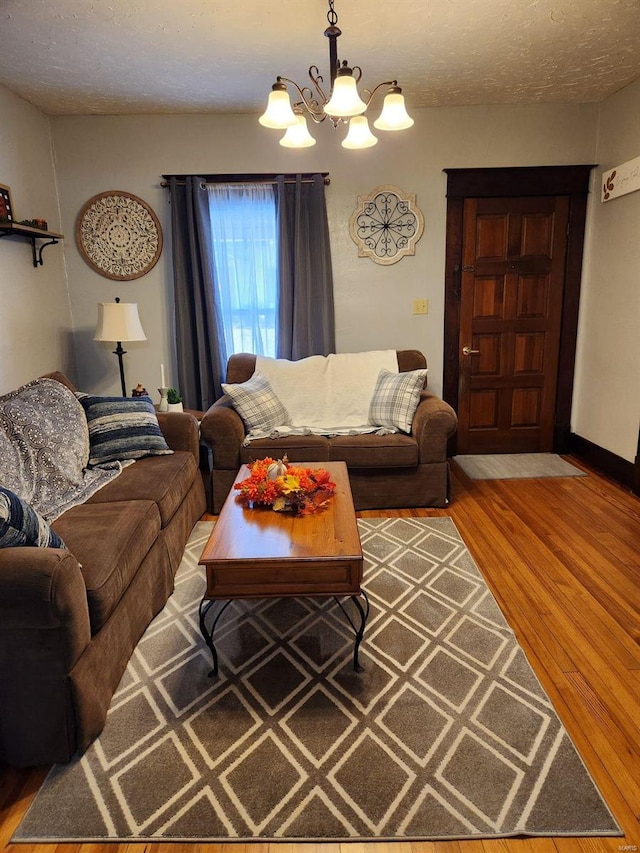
(420, 306)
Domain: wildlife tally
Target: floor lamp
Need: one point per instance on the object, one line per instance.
(119, 321)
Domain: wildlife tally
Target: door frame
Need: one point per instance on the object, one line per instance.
(518, 181)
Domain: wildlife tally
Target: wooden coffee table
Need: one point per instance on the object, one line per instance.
(259, 553)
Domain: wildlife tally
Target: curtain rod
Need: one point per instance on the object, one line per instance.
(307, 178)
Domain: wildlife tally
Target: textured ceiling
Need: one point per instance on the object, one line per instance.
(79, 57)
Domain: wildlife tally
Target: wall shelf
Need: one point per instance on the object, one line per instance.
(33, 235)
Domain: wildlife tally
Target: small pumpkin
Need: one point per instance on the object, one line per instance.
(277, 469)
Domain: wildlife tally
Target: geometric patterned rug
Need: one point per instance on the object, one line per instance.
(447, 734)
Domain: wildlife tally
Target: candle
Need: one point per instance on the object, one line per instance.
(162, 383)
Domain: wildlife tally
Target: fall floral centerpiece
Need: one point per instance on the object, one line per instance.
(285, 487)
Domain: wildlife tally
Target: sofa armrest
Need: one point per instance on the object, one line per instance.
(223, 430)
(44, 616)
(181, 432)
(433, 423)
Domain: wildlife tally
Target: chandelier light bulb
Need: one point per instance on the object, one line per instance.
(359, 135)
(298, 136)
(394, 115)
(278, 114)
(345, 100)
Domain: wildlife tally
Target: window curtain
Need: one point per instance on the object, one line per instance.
(306, 323)
(200, 344)
(244, 243)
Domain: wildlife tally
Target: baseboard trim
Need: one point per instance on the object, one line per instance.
(619, 469)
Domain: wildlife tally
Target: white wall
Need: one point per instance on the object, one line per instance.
(373, 302)
(35, 320)
(606, 407)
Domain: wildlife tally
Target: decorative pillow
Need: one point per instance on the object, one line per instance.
(256, 403)
(21, 525)
(395, 399)
(122, 428)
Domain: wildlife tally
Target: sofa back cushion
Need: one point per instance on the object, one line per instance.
(242, 365)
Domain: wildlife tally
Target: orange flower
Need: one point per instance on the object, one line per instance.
(301, 490)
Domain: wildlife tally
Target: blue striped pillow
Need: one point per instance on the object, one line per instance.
(122, 428)
(21, 525)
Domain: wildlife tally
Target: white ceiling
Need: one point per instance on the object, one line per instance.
(80, 57)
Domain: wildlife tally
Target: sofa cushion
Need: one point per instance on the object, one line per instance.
(395, 399)
(374, 451)
(122, 428)
(299, 448)
(257, 404)
(110, 541)
(162, 479)
(21, 525)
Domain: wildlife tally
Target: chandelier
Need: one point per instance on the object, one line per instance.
(343, 105)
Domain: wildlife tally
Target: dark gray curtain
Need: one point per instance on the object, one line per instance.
(306, 323)
(200, 345)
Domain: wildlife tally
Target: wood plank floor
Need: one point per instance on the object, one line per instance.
(562, 557)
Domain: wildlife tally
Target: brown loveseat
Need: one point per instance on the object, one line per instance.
(385, 471)
(70, 620)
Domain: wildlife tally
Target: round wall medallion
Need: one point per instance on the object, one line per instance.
(386, 224)
(118, 235)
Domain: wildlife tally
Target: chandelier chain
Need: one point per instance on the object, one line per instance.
(332, 15)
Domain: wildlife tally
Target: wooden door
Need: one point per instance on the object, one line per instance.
(511, 303)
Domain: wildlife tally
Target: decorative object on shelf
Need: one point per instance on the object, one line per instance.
(285, 487)
(119, 321)
(174, 400)
(40, 224)
(119, 235)
(6, 206)
(386, 224)
(343, 104)
(139, 391)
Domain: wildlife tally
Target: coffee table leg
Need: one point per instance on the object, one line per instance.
(205, 606)
(358, 630)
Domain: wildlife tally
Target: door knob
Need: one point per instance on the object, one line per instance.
(469, 351)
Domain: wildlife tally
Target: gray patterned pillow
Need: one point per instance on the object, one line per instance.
(257, 404)
(395, 399)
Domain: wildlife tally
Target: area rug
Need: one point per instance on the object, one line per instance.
(447, 734)
(516, 466)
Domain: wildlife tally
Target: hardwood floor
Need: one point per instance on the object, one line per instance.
(562, 557)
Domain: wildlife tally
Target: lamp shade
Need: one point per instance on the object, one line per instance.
(278, 114)
(298, 136)
(119, 321)
(359, 135)
(345, 100)
(394, 115)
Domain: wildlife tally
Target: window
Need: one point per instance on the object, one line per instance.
(243, 227)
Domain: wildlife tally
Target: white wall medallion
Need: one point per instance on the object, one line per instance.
(386, 224)
(119, 235)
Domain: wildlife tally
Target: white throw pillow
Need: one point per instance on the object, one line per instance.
(395, 399)
(256, 403)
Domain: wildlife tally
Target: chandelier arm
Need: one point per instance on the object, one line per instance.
(370, 93)
(311, 105)
(317, 79)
